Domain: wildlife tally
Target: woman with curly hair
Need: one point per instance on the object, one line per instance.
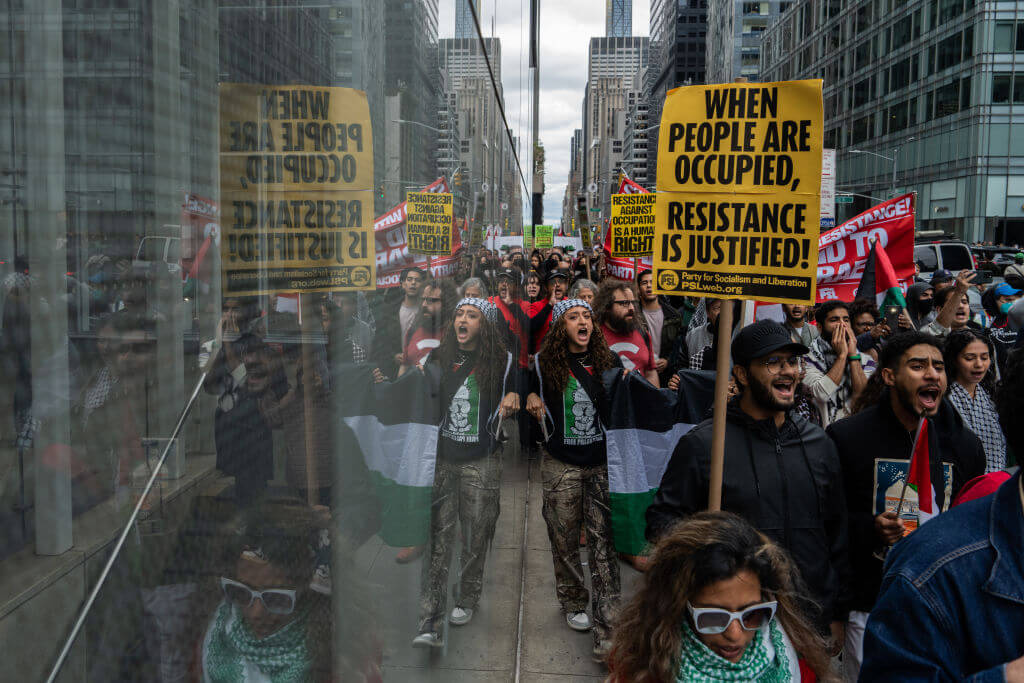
(719, 602)
(475, 370)
(568, 394)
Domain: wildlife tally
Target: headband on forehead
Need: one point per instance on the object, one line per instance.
(488, 309)
(565, 304)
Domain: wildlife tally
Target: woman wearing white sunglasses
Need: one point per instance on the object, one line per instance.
(719, 602)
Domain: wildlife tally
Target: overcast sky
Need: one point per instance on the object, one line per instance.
(565, 31)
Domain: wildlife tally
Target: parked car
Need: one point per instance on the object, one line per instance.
(947, 254)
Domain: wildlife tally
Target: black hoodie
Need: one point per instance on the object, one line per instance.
(876, 434)
(786, 481)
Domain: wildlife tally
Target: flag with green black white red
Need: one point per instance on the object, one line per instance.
(396, 426)
(645, 424)
(879, 282)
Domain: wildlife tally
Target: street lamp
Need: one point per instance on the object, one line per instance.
(417, 123)
(893, 159)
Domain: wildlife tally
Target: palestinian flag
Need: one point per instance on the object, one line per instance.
(879, 282)
(919, 477)
(396, 426)
(645, 426)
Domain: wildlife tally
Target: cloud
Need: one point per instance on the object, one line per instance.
(565, 31)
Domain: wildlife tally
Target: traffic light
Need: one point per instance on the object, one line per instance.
(457, 178)
(380, 191)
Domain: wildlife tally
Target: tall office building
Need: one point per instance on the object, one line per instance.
(464, 26)
(613, 65)
(678, 57)
(470, 100)
(928, 90)
(412, 86)
(734, 36)
(618, 18)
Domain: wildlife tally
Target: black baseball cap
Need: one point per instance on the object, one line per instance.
(762, 338)
(510, 274)
(942, 275)
(556, 273)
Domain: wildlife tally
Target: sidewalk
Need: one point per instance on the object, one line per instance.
(493, 647)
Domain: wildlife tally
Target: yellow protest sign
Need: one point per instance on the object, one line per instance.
(544, 237)
(428, 222)
(739, 183)
(632, 224)
(581, 210)
(296, 170)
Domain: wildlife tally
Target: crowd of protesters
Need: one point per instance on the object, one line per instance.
(813, 570)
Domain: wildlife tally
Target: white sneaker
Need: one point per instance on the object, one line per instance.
(460, 616)
(578, 621)
(427, 640)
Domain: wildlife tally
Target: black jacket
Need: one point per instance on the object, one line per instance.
(876, 434)
(785, 481)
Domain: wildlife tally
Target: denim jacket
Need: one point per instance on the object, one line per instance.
(951, 606)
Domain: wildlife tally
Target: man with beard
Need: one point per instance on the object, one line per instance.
(875, 446)
(836, 371)
(616, 310)
(781, 473)
(796, 322)
(439, 296)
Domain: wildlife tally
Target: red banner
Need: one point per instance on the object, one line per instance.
(843, 250)
(393, 251)
(200, 229)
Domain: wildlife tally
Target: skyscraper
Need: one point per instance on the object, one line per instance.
(618, 18)
(464, 26)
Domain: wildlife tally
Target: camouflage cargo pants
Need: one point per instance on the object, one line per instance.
(468, 494)
(575, 497)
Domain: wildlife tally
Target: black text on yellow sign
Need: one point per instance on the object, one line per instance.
(739, 182)
(632, 224)
(428, 222)
(296, 169)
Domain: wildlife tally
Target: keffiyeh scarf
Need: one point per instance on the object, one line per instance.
(767, 659)
(233, 654)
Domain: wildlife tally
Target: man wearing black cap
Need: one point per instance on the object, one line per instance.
(556, 284)
(781, 473)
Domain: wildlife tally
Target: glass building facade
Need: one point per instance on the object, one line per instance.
(925, 91)
(203, 231)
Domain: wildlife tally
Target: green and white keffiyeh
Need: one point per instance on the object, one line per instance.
(769, 658)
(233, 654)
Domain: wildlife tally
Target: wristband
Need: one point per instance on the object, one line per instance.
(855, 357)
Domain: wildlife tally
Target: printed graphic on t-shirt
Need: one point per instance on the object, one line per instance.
(580, 413)
(626, 353)
(462, 422)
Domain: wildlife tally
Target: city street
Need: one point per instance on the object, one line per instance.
(518, 633)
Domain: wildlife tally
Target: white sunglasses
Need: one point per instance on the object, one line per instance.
(714, 620)
(275, 600)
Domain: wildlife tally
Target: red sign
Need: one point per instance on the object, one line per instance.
(843, 250)
(200, 228)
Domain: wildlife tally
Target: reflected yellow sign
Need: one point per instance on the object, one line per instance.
(739, 184)
(428, 222)
(296, 171)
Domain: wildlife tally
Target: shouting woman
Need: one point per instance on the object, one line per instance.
(574, 468)
(475, 369)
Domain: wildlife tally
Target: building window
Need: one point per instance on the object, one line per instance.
(1018, 90)
(1001, 89)
(863, 128)
(947, 99)
(1004, 37)
(949, 51)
